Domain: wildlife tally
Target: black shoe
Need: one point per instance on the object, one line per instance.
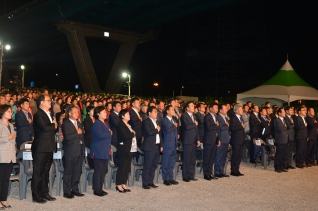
(252, 161)
(78, 194)
(207, 177)
(234, 174)
(290, 167)
(48, 197)
(104, 192)
(193, 179)
(153, 186)
(214, 177)
(39, 200)
(299, 166)
(284, 170)
(278, 170)
(68, 195)
(174, 182)
(5, 206)
(145, 187)
(225, 175)
(240, 174)
(167, 182)
(219, 175)
(120, 191)
(96, 193)
(185, 180)
(127, 190)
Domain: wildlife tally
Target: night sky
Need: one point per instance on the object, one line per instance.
(279, 28)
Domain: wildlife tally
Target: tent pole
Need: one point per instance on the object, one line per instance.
(288, 100)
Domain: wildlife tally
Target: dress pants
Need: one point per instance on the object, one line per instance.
(151, 159)
(72, 173)
(123, 168)
(310, 154)
(251, 150)
(280, 156)
(199, 150)
(301, 145)
(42, 162)
(168, 163)
(209, 152)
(100, 170)
(237, 152)
(188, 160)
(220, 159)
(5, 172)
(290, 149)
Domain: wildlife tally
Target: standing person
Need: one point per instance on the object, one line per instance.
(100, 149)
(281, 140)
(42, 150)
(73, 145)
(200, 118)
(211, 140)
(24, 123)
(114, 120)
(127, 146)
(312, 137)
(88, 123)
(7, 153)
(301, 137)
(246, 117)
(190, 141)
(291, 136)
(150, 147)
(170, 144)
(255, 130)
(135, 119)
(265, 124)
(237, 140)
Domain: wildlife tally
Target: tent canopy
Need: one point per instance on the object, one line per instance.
(286, 85)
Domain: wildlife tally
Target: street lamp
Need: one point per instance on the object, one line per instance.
(156, 84)
(129, 77)
(22, 68)
(7, 47)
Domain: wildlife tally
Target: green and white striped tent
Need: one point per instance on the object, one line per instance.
(284, 86)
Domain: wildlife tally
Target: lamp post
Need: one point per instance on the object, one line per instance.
(129, 78)
(22, 68)
(7, 47)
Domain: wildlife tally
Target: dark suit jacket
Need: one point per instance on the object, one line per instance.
(200, 119)
(71, 141)
(224, 130)
(170, 134)
(300, 128)
(210, 130)
(255, 126)
(25, 130)
(311, 128)
(114, 120)
(290, 128)
(44, 133)
(281, 135)
(88, 123)
(190, 133)
(267, 126)
(273, 117)
(149, 133)
(124, 136)
(101, 140)
(237, 131)
(135, 123)
(143, 115)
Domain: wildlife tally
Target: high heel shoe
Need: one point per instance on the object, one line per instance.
(120, 191)
(127, 190)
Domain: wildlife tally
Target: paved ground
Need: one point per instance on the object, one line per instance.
(259, 189)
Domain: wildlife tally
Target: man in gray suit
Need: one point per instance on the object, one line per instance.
(224, 140)
(281, 140)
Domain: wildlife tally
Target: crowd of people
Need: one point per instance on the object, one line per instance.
(138, 127)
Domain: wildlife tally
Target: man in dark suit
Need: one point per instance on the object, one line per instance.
(73, 152)
(211, 140)
(312, 137)
(200, 118)
(255, 130)
(291, 136)
(170, 144)
(224, 140)
(190, 141)
(42, 150)
(237, 140)
(114, 120)
(150, 147)
(301, 137)
(160, 109)
(281, 140)
(135, 119)
(24, 123)
(265, 124)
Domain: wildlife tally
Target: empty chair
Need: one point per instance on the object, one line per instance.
(87, 171)
(26, 171)
(176, 166)
(112, 169)
(246, 148)
(156, 179)
(136, 168)
(59, 170)
(14, 176)
(260, 151)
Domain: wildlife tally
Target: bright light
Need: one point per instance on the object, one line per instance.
(8, 47)
(156, 84)
(125, 75)
(106, 34)
(22, 67)
(56, 74)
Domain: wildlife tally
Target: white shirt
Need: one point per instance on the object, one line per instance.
(191, 116)
(170, 119)
(48, 114)
(116, 113)
(238, 116)
(157, 135)
(213, 116)
(303, 119)
(256, 114)
(136, 112)
(283, 121)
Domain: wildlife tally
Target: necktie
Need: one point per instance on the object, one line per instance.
(172, 121)
(75, 124)
(241, 119)
(265, 118)
(192, 118)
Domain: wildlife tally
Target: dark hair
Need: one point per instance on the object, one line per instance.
(97, 111)
(280, 110)
(3, 109)
(133, 100)
(263, 108)
(221, 106)
(22, 101)
(150, 109)
(186, 105)
(213, 104)
(199, 105)
(89, 108)
(115, 103)
(287, 108)
(170, 101)
(68, 110)
(158, 102)
(122, 113)
(253, 106)
(40, 99)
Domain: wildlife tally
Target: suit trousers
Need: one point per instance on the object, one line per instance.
(100, 170)
(188, 160)
(220, 159)
(280, 156)
(72, 173)
(301, 145)
(209, 152)
(251, 150)
(168, 163)
(123, 168)
(310, 154)
(151, 159)
(42, 162)
(199, 151)
(237, 152)
(290, 149)
(5, 172)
